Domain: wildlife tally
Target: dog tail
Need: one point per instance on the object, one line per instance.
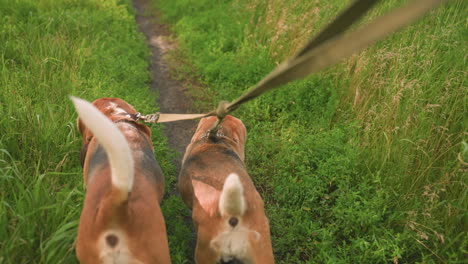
(232, 244)
(232, 202)
(113, 142)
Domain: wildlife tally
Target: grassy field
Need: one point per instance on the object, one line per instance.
(363, 163)
(48, 50)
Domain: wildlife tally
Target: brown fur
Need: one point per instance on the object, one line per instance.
(205, 166)
(138, 219)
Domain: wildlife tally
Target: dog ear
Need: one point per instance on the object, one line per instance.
(84, 131)
(145, 129)
(80, 126)
(202, 128)
(237, 132)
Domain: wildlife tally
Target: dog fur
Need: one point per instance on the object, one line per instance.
(121, 221)
(227, 211)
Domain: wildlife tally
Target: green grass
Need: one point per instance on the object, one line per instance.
(362, 163)
(48, 50)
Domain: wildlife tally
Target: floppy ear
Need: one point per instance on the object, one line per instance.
(239, 132)
(86, 134)
(145, 130)
(80, 126)
(236, 130)
(203, 126)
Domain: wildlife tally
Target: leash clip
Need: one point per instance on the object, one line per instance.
(136, 116)
(150, 118)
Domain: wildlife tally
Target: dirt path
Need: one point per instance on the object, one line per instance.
(172, 98)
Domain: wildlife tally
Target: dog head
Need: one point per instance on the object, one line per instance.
(116, 110)
(231, 129)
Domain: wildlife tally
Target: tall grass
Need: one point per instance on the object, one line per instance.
(362, 163)
(48, 50)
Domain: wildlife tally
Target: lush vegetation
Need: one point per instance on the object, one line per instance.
(48, 50)
(363, 163)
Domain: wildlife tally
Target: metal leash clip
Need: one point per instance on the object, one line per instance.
(150, 118)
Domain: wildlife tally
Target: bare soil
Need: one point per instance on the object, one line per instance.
(172, 96)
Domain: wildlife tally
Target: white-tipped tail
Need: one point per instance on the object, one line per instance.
(232, 243)
(113, 142)
(232, 202)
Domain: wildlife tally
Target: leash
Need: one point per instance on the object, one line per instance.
(164, 118)
(330, 46)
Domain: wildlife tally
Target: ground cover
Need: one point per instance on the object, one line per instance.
(362, 163)
(49, 50)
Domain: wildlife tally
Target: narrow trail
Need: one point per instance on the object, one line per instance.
(172, 97)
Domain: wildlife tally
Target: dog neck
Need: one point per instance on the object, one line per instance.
(84, 149)
(213, 136)
(210, 135)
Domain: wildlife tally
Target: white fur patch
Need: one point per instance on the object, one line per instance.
(118, 254)
(234, 242)
(232, 202)
(115, 109)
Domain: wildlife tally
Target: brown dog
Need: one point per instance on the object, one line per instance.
(227, 210)
(121, 221)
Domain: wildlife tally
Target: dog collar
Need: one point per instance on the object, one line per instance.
(219, 133)
(136, 117)
(84, 149)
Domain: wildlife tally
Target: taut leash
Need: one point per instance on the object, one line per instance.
(164, 118)
(328, 47)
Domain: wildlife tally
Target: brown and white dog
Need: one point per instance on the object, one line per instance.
(121, 221)
(227, 210)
